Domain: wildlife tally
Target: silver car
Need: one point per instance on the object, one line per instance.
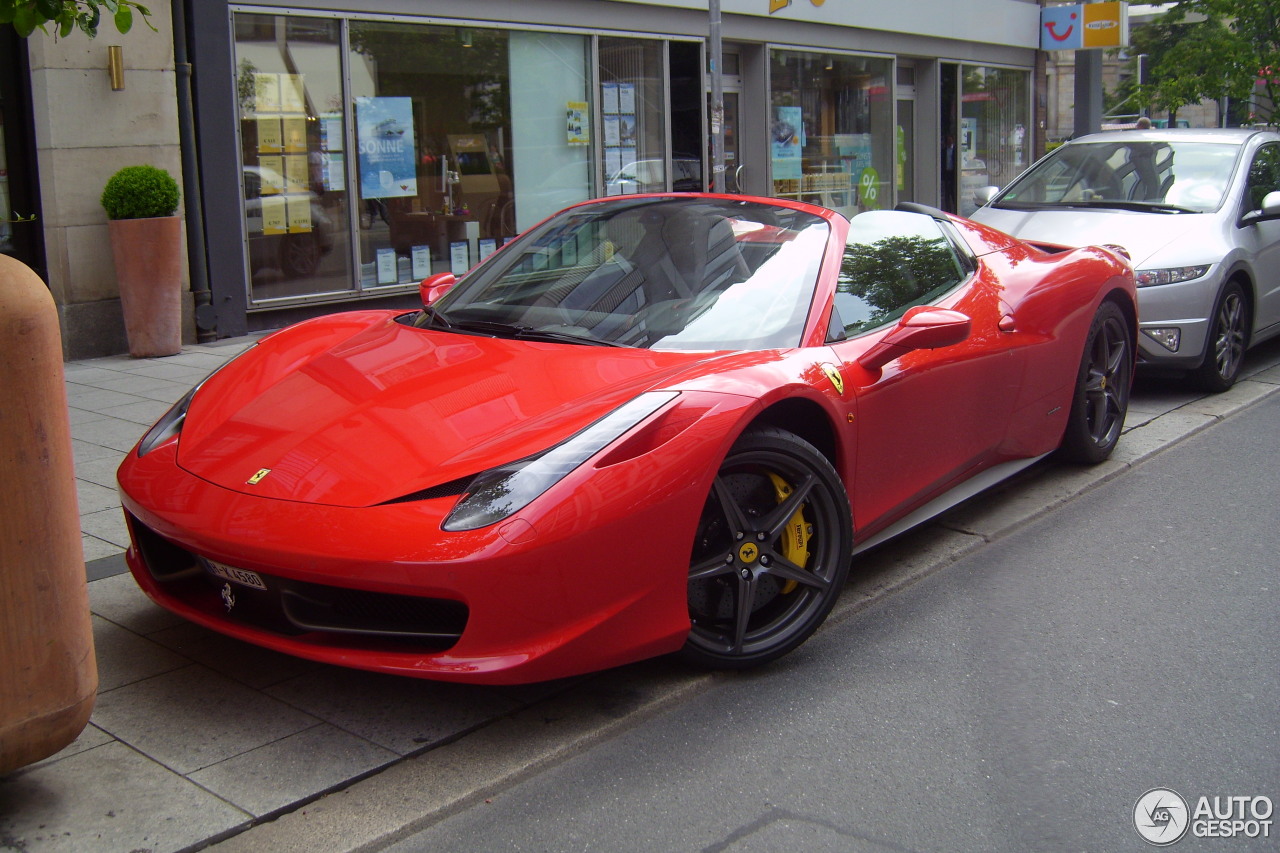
(1198, 212)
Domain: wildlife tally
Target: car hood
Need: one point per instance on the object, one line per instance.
(356, 411)
(1141, 234)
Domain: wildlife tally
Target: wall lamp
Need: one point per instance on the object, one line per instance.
(115, 66)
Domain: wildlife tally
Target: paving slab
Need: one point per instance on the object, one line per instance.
(108, 798)
(294, 768)
(190, 718)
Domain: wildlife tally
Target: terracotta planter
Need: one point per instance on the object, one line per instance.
(148, 256)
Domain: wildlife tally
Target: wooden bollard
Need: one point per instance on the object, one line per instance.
(48, 675)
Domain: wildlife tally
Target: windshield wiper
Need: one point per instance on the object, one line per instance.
(1104, 204)
(526, 333)
(434, 318)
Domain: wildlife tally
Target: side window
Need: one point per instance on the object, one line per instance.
(1264, 176)
(893, 260)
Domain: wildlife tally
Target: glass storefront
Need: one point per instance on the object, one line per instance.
(375, 153)
(634, 115)
(443, 143)
(994, 142)
(293, 156)
(831, 132)
(433, 129)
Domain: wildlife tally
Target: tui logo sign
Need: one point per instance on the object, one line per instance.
(1084, 26)
(779, 5)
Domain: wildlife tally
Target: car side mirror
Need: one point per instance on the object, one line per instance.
(984, 195)
(920, 328)
(433, 287)
(1270, 210)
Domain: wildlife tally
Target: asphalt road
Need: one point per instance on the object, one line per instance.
(1021, 700)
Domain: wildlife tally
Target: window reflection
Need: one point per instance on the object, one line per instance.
(633, 116)
(293, 173)
(831, 133)
(994, 139)
(892, 261)
(433, 130)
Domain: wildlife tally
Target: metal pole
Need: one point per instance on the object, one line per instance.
(717, 100)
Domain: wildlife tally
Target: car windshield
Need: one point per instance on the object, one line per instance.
(1160, 175)
(661, 273)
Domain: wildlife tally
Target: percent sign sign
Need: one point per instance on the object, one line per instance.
(869, 188)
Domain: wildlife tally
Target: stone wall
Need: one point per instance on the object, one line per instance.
(85, 132)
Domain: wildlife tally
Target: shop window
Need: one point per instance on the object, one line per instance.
(292, 135)
(994, 138)
(633, 115)
(433, 132)
(831, 130)
(551, 127)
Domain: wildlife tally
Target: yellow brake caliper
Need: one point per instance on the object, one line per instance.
(795, 536)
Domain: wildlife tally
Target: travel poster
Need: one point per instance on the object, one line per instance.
(384, 137)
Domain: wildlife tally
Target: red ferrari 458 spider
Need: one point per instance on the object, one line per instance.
(650, 424)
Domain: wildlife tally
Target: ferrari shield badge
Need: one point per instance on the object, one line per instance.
(258, 476)
(834, 375)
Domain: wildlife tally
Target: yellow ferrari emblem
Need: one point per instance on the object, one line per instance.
(258, 477)
(748, 552)
(834, 375)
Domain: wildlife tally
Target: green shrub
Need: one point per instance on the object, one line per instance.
(140, 192)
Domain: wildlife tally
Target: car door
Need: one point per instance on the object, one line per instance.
(930, 417)
(1261, 239)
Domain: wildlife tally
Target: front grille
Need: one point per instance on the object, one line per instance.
(292, 607)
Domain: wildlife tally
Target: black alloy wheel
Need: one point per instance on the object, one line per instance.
(1101, 398)
(1228, 338)
(771, 553)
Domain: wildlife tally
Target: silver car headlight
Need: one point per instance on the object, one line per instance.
(501, 492)
(169, 425)
(1171, 275)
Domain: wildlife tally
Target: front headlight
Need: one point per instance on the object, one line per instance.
(1172, 275)
(169, 425)
(501, 492)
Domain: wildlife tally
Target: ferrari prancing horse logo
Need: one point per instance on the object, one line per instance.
(258, 477)
(834, 375)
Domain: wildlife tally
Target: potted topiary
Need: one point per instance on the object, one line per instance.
(146, 242)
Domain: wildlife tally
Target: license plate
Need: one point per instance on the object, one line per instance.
(231, 573)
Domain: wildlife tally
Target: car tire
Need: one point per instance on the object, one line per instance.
(1100, 399)
(1227, 340)
(300, 254)
(771, 553)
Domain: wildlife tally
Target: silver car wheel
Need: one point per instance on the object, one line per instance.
(1228, 339)
(1228, 345)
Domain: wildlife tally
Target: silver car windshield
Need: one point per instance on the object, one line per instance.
(663, 273)
(1159, 175)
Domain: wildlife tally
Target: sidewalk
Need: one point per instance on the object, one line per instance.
(196, 738)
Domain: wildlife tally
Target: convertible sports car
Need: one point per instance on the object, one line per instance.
(650, 424)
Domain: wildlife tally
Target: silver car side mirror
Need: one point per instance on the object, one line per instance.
(984, 195)
(1270, 210)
